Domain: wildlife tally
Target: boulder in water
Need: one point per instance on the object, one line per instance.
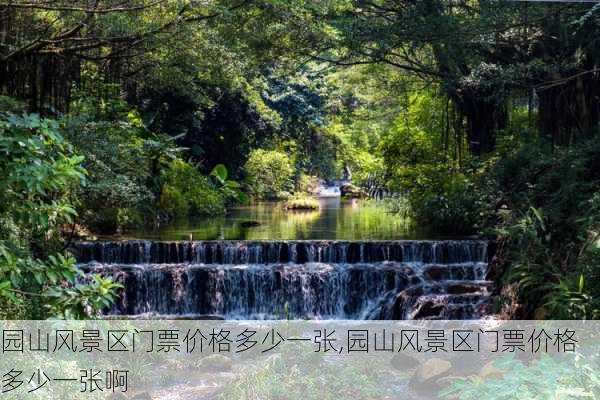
(428, 373)
(429, 309)
(404, 302)
(445, 382)
(302, 203)
(349, 190)
(249, 224)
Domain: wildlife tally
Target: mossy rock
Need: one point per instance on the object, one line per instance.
(351, 191)
(307, 203)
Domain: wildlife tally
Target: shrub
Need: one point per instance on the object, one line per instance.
(307, 183)
(549, 228)
(38, 172)
(443, 194)
(449, 204)
(268, 173)
(186, 192)
(119, 171)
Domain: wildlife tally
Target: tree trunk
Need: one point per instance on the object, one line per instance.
(569, 110)
(484, 118)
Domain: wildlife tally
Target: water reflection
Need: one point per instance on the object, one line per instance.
(336, 219)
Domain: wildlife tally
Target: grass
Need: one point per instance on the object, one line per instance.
(302, 203)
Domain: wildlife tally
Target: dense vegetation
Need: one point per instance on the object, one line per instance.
(482, 116)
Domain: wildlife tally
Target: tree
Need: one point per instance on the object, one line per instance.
(38, 171)
(482, 54)
(49, 43)
(269, 173)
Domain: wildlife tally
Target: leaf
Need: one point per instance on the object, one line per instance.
(220, 172)
(233, 184)
(243, 198)
(177, 137)
(39, 278)
(52, 276)
(538, 214)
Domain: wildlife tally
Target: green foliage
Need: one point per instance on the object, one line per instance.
(361, 108)
(186, 192)
(38, 172)
(442, 194)
(549, 222)
(38, 169)
(543, 378)
(80, 301)
(268, 173)
(230, 189)
(451, 203)
(119, 169)
(11, 105)
(306, 183)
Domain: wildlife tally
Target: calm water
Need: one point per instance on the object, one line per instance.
(336, 219)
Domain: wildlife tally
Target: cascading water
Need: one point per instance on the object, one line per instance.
(295, 279)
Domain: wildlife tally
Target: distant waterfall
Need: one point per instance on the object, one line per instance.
(294, 279)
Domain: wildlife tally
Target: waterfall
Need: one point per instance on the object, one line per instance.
(294, 279)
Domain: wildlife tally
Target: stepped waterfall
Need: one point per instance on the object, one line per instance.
(281, 279)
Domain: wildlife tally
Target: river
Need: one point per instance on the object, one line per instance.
(336, 219)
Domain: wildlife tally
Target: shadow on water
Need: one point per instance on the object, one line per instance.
(336, 219)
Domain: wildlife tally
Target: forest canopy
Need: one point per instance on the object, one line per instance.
(481, 116)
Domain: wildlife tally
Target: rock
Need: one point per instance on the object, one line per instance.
(349, 190)
(428, 373)
(142, 396)
(302, 204)
(402, 302)
(216, 363)
(249, 224)
(488, 371)
(429, 309)
(403, 361)
(464, 288)
(437, 273)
